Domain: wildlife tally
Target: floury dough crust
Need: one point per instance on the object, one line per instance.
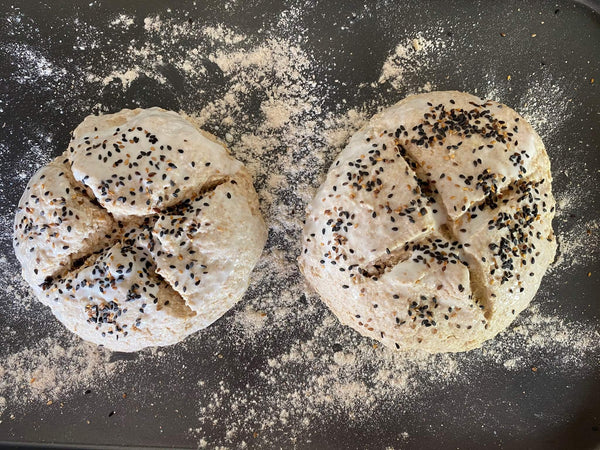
(140, 162)
(144, 231)
(433, 228)
(56, 223)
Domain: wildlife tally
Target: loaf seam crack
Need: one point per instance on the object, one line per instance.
(477, 289)
(71, 270)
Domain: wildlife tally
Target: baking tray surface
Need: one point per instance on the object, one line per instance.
(285, 84)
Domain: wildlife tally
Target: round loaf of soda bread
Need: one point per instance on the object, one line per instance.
(144, 231)
(433, 228)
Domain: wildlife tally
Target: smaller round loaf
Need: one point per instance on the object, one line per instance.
(144, 231)
(433, 228)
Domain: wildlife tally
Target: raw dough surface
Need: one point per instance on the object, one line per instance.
(143, 232)
(433, 228)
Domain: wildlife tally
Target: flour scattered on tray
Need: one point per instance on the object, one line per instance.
(33, 66)
(126, 77)
(48, 369)
(410, 58)
(263, 95)
(123, 21)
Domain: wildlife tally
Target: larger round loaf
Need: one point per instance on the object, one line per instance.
(144, 231)
(433, 228)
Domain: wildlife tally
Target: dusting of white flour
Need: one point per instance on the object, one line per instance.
(268, 108)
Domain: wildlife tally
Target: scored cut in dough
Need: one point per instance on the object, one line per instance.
(117, 294)
(57, 223)
(433, 228)
(201, 246)
(94, 226)
(133, 169)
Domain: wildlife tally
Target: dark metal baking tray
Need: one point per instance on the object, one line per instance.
(349, 41)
